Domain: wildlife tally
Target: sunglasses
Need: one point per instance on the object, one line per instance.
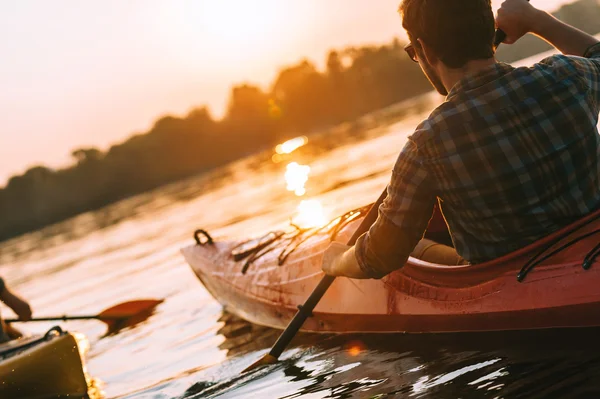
(412, 53)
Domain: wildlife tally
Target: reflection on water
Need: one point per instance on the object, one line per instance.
(291, 145)
(515, 364)
(188, 348)
(296, 177)
(283, 151)
(94, 384)
(310, 214)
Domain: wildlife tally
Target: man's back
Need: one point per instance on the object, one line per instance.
(515, 153)
(512, 155)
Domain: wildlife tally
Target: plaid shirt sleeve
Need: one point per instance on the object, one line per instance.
(588, 67)
(402, 219)
(593, 70)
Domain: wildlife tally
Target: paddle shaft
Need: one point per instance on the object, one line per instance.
(65, 318)
(121, 311)
(305, 311)
(500, 36)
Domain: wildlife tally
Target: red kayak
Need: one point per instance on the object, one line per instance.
(551, 284)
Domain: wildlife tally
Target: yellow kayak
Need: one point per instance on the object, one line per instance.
(42, 367)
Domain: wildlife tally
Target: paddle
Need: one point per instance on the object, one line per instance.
(305, 310)
(500, 37)
(115, 317)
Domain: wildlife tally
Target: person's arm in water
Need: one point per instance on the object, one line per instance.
(518, 17)
(15, 302)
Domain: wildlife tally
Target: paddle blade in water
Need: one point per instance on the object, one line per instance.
(127, 314)
(264, 361)
(305, 311)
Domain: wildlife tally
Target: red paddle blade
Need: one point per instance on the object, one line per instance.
(128, 313)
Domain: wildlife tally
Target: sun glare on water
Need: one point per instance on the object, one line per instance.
(309, 214)
(283, 151)
(296, 176)
(291, 145)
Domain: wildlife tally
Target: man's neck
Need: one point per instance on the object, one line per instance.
(451, 77)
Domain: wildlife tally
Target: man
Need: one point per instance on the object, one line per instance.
(18, 305)
(511, 155)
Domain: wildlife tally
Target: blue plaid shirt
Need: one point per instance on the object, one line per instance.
(512, 155)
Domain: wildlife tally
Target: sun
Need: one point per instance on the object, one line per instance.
(237, 25)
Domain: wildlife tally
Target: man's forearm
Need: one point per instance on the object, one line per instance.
(567, 39)
(385, 248)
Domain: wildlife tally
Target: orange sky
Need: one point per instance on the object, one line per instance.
(91, 73)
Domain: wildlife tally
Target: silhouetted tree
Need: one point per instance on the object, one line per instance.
(301, 100)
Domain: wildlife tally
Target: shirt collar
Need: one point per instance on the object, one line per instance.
(485, 76)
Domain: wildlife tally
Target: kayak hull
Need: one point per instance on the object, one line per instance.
(420, 297)
(37, 368)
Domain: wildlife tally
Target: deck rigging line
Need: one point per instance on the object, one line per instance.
(261, 246)
(291, 240)
(587, 262)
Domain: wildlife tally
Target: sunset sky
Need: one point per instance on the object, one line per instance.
(91, 73)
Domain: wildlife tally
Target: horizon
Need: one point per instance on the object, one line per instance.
(130, 64)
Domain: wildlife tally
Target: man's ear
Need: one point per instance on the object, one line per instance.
(431, 58)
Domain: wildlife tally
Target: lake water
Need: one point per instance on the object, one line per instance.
(189, 348)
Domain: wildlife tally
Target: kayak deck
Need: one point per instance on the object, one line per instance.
(556, 291)
(42, 367)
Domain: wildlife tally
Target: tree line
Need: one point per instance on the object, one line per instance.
(301, 100)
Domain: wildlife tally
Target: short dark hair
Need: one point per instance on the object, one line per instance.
(458, 31)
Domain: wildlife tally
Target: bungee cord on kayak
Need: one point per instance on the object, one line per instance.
(261, 246)
(54, 331)
(587, 262)
(254, 249)
(509, 159)
(480, 254)
(591, 257)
